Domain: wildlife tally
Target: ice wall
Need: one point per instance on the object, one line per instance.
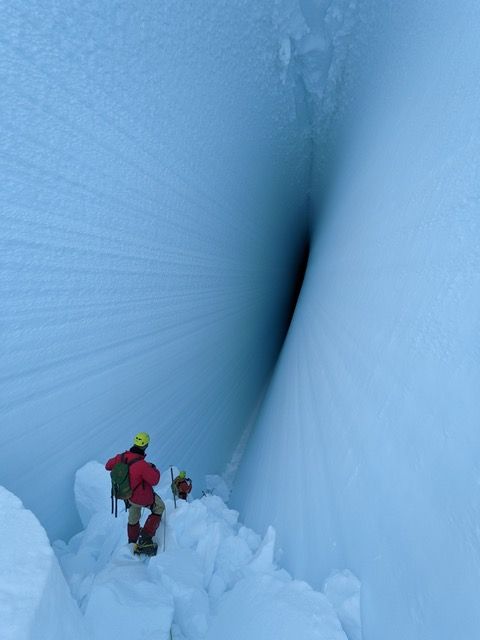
(154, 164)
(374, 404)
(153, 175)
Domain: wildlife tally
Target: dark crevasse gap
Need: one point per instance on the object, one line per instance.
(299, 269)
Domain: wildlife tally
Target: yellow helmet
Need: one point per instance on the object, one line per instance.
(141, 439)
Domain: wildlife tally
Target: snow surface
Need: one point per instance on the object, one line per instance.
(212, 578)
(342, 590)
(35, 602)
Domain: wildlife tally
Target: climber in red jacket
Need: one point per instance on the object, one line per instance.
(181, 486)
(143, 477)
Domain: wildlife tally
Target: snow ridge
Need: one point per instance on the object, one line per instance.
(212, 578)
(32, 588)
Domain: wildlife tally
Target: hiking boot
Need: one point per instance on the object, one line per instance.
(145, 541)
(145, 546)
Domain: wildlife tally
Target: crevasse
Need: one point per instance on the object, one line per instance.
(154, 172)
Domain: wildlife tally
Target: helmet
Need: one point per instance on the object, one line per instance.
(182, 474)
(141, 439)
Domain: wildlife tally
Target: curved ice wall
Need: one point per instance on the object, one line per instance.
(153, 179)
(366, 454)
(154, 171)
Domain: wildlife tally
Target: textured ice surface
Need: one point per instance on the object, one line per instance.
(374, 404)
(153, 176)
(155, 157)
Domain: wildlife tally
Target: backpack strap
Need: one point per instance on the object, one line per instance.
(129, 465)
(114, 497)
(113, 493)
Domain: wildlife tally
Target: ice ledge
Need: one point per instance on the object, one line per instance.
(35, 601)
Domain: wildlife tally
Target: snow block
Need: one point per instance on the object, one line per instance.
(181, 573)
(342, 589)
(268, 607)
(212, 579)
(125, 604)
(35, 600)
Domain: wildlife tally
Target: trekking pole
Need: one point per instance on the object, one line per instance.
(164, 528)
(173, 492)
(114, 502)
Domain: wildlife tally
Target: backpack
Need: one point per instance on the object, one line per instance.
(181, 485)
(121, 488)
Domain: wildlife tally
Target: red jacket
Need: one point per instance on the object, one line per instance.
(184, 485)
(143, 476)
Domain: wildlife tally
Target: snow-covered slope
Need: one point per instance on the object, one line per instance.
(375, 402)
(211, 579)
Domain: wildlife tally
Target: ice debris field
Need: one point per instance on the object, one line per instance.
(212, 578)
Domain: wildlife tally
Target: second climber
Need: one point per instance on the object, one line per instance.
(181, 486)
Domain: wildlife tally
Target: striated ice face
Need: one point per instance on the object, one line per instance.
(365, 451)
(156, 164)
(153, 188)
